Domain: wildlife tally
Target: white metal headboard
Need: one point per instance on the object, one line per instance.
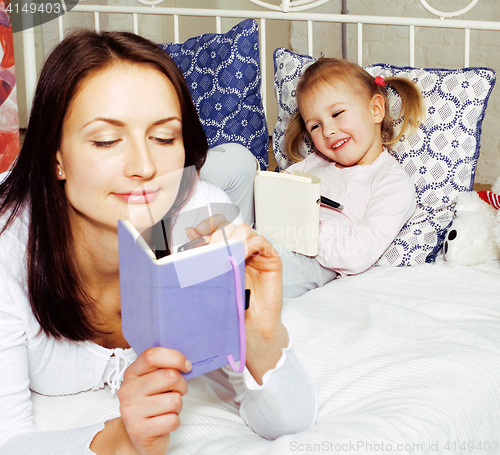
(288, 10)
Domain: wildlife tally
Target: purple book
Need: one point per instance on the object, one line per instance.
(191, 301)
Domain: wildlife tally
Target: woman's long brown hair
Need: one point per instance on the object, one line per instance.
(57, 298)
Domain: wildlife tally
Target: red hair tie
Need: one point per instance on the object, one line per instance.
(379, 80)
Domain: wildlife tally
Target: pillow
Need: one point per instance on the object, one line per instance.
(288, 67)
(440, 157)
(223, 75)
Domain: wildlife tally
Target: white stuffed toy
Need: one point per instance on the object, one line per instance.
(474, 236)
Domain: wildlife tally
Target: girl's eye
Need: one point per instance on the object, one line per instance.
(105, 144)
(314, 127)
(336, 114)
(163, 141)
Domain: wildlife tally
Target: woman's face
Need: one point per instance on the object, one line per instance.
(122, 152)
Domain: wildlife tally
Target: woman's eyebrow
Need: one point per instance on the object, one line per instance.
(166, 120)
(106, 120)
(121, 124)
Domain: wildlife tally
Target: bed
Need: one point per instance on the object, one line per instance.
(406, 356)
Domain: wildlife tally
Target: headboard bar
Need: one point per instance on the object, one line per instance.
(176, 28)
(136, 23)
(360, 43)
(310, 37)
(467, 47)
(443, 14)
(96, 21)
(262, 16)
(302, 17)
(411, 32)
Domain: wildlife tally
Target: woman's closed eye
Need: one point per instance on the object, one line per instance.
(163, 140)
(111, 143)
(105, 144)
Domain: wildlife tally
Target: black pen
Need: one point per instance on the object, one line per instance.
(330, 203)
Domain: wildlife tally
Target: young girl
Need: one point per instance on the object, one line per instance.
(344, 110)
(112, 115)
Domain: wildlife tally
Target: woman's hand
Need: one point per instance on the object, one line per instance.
(212, 227)
(151, 398)
(266, 335)
(150, 403)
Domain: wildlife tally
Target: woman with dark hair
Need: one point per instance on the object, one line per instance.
(113, 129)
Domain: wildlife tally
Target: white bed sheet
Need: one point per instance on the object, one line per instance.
(407, 356)
(405, 360)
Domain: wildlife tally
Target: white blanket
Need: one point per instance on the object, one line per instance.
(405, 360)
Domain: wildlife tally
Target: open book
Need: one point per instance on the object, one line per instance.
(191, 301)
(287, 209)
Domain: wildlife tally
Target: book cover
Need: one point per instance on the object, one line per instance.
(186, 301)
(287, 209)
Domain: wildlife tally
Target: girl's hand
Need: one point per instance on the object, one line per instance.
(266, 334)
(150, 403)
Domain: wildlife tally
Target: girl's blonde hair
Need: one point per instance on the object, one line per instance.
(333, 70)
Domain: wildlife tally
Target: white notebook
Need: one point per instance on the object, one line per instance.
(287, 209)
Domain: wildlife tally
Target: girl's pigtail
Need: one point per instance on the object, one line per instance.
(293, 137)
(411, 113)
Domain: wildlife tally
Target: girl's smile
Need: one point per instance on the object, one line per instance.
(339, 143)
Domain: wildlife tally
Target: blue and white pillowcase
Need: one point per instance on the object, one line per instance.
(223, 75)
(288, 67)
(440, 156)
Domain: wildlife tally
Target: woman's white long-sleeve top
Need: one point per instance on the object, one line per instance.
(43, 381)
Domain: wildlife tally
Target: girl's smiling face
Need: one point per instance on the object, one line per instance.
(122, 153)
(343, 123)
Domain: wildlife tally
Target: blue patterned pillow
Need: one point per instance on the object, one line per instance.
(288, 67)
(223, 75)
(440, 157)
